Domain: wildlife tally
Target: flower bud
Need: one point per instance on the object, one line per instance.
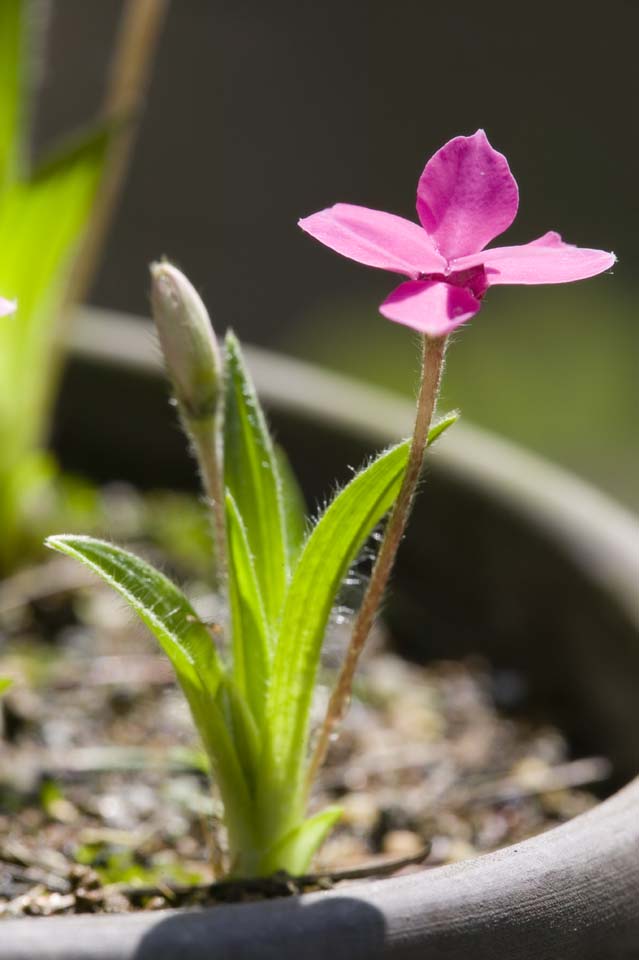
(188, 342)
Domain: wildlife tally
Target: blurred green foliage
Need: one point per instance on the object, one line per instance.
(43, 214)
(124, 865)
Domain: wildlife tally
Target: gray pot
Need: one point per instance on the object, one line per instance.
(506, 555)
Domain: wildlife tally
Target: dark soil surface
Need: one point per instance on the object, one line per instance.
(104, 798)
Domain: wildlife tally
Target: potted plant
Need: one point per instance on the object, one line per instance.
(485, 904)
(569, 893)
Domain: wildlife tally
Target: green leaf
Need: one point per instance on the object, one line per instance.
(5, 683)
(158, 603)
(296, 849)
(242, 729)
(251, 640)
(189, 646)
(252, 477)
(12, 16)
(44, 217)
(328, 553)
(441, 426)
(294, 508)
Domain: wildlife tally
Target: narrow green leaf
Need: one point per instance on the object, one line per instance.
(296, 849)
(46, 214)
(12, 16)
(242, 729)
(441, 426)
(252, 477)
(325, 560)
(45, 218)
(189, 646)
(158, 603)
(294, 508)
(251, 640)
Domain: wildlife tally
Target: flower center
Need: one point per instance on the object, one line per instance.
(473, 279)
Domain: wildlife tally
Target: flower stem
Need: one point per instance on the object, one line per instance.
(432, 363)
(204, 434)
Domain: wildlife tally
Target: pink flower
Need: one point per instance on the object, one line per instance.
(6, 307)
(466, 197)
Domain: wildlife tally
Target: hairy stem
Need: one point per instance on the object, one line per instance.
(205, 434)
(433, 358)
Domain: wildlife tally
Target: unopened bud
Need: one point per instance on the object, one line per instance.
(188, 342)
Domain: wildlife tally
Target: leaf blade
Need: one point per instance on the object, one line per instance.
(242, 729)
(45, 214)
(441, 426)
(190, 649)
(12, 16)
(294, 508)
(156, 600)
(296, 849)
(252, 477)
(327, 555)
(250, 633)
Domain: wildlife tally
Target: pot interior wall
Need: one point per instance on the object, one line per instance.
(473, 577)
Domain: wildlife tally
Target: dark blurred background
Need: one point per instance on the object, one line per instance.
(259, 113)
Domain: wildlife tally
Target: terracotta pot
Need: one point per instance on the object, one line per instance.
(507, 556)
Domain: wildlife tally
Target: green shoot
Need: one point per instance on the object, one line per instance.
(251, 704)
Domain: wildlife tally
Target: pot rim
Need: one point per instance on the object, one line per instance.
(568, 894)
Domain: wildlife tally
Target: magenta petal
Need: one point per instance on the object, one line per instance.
(375, 238)
(6, 307)
(545, 260)
(430, 306)
(466, 195)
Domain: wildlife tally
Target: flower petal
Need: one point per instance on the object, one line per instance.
(7, 307)
(430, 306)
(375, 238)
(466, 195)
(545, 260)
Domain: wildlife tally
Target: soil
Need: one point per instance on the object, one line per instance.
(104, 798)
